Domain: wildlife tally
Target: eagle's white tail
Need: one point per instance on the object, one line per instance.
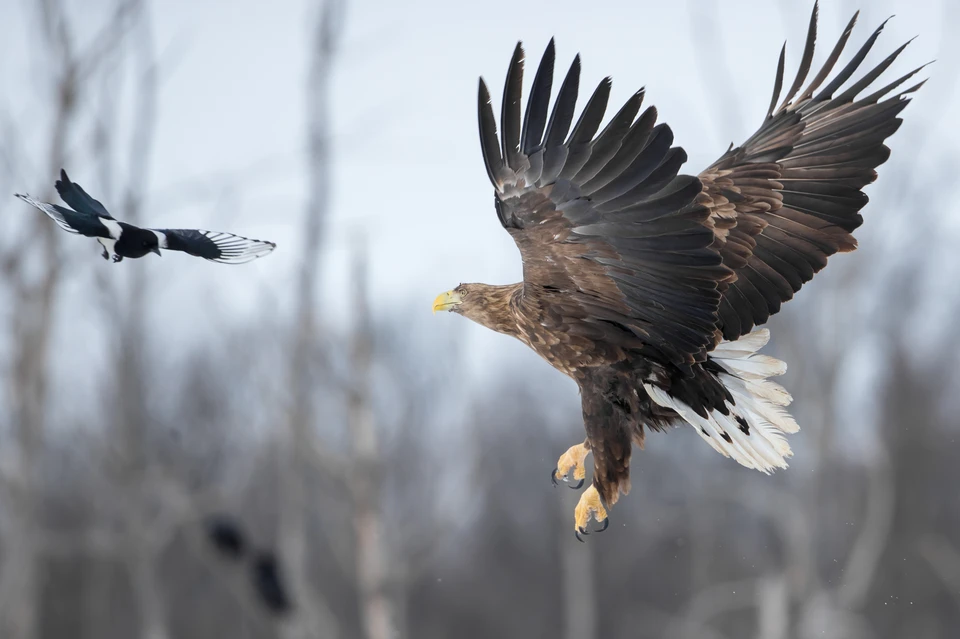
(753, 432)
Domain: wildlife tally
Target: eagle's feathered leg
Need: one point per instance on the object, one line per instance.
(610, 411)
(572, 459)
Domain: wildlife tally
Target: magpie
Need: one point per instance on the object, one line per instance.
(90, 218)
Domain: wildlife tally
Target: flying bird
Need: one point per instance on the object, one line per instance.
(90, 218)
(646, 285)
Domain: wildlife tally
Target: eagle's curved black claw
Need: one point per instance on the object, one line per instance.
(603, 525)
(117, 258)
(578, 532)
(556, 481)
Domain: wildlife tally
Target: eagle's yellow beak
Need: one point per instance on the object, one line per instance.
(446, 301)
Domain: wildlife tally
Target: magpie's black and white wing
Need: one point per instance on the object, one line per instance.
(77, 222)
(74, 195)
(225, 248)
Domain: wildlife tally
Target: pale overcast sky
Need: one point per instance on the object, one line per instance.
(408, 173)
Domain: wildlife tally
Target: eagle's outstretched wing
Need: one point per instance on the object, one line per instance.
(225, 248)
(613, 240)
(790, 196)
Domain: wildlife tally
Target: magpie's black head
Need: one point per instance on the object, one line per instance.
(135, 242)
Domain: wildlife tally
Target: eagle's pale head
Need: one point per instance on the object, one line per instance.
(485, 304)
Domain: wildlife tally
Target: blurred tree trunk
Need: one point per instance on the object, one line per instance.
(909, 427)
(578, 583)
(35, 300)
(773, 607)
(377, 612)
(142, 549)
(34, 275)
(140, 552)
(314, 617)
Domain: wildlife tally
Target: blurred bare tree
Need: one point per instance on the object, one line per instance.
(33, 279)
(314, 617)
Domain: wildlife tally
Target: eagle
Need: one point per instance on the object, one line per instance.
(645, 285)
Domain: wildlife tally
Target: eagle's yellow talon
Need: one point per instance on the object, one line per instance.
(588, 505)
(573, 458)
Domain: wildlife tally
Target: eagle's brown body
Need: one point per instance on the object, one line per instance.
(611, 377)
(532, 319)
(645, 285)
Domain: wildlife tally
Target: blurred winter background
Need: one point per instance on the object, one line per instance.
(388, 470)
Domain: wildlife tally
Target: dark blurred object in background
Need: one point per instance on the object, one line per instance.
(227, 536)
(268, 582)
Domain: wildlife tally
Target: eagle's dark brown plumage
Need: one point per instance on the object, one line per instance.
(645, 285)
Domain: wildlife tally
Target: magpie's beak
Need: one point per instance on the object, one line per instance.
(157, 251)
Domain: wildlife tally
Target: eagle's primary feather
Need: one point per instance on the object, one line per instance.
(645, 285)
